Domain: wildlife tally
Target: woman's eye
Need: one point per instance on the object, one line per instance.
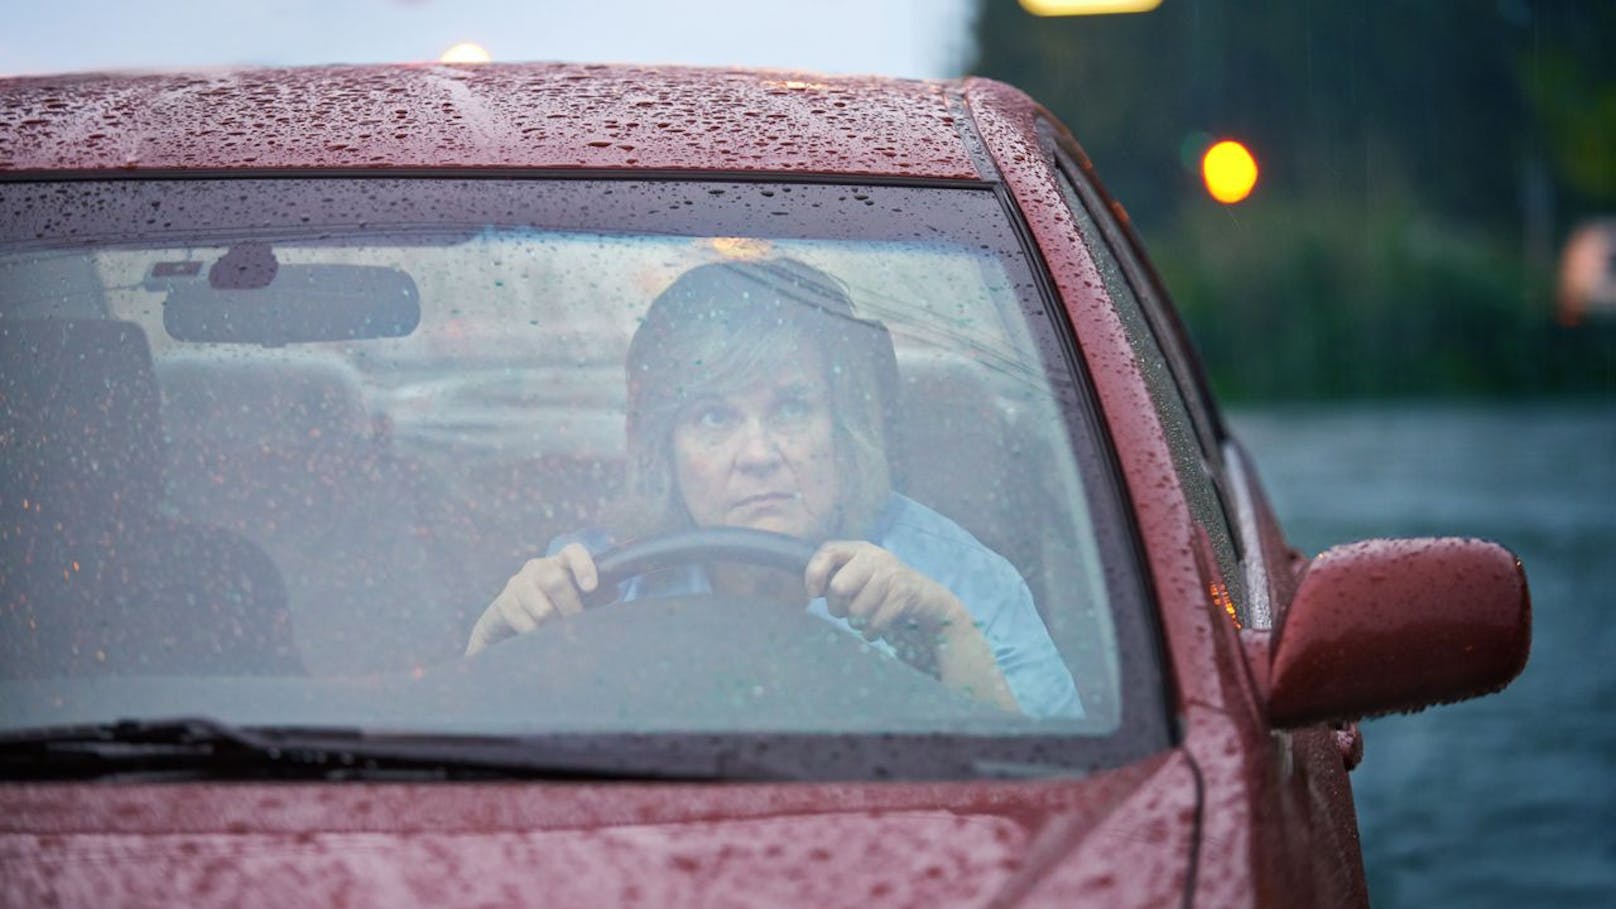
(711, 418)
(794, 410)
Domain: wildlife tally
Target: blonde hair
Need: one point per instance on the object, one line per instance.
(722, 327)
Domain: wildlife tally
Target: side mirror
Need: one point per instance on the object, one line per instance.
(1398, 625)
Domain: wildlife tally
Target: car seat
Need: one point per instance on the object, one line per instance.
(982, 453)
(279, 446)
(955, 452)
(95, 579)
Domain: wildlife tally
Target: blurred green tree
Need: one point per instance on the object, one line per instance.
(1420, 161)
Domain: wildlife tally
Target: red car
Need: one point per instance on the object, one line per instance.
(580, 485)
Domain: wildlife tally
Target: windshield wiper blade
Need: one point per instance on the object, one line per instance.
(194, 747)
(189, 746)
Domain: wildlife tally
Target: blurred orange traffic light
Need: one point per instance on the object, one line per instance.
(1229, 170)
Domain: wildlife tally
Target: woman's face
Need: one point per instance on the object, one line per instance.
(762, 457)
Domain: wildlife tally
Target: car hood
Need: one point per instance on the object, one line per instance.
(1117, 839)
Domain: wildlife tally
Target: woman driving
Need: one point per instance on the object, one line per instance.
(758, 399)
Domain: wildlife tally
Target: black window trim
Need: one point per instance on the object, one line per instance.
(1162, 322)
(1104, 452)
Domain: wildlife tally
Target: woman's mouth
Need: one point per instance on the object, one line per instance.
(765, 499)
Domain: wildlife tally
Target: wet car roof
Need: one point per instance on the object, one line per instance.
(485, 116)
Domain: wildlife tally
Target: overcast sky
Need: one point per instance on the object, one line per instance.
(893, 37)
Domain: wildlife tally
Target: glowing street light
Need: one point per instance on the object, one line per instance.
(465, 52)
(742, 248)
(1087, 7)
(1229, 170)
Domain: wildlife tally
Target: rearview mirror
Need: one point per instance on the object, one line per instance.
(272, 304)
(1397, 625)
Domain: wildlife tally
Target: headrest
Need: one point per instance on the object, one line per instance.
(78, 415)
(262, 402)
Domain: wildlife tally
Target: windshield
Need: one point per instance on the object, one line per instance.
(364, 454)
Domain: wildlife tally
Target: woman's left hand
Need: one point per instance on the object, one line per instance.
(878, 594)
(881, 596)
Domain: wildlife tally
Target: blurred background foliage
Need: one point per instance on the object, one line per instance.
(1422, 162)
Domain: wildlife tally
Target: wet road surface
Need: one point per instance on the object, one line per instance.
(1509, 800)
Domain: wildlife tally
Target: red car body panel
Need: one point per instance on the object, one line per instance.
(1215, 690)
(496, 116)
(1238, 814)
(1007, 119)
(583, 845)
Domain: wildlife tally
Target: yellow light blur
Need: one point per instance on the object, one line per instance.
(465, 52)
(1230, 171)
(1087, 7)
(740, 247)
(1220, 597)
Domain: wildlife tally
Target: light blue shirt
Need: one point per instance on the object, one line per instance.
(989, 586)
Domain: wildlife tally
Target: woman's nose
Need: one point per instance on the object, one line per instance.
(759, 449)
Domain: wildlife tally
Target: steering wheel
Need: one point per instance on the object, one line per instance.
(734, 544)
(737, 544)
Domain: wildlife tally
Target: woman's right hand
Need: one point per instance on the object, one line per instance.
(542, 590)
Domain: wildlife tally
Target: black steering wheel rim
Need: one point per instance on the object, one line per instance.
(705, 544)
